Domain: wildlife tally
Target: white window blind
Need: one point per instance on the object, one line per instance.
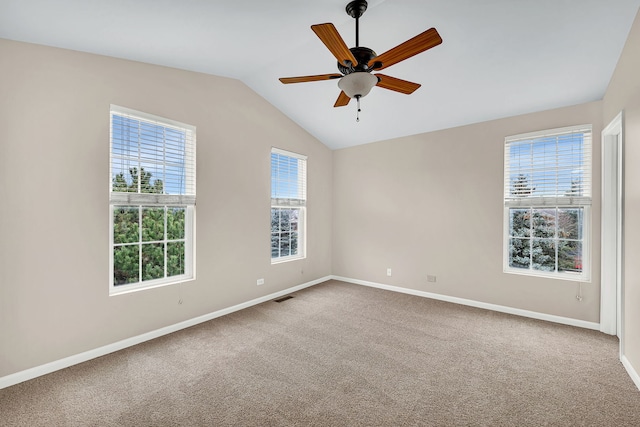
(288, 179)
(152, 159)
(549, 168)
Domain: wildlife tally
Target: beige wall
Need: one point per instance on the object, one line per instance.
(54, 175)
(623, 94)
(432, 204)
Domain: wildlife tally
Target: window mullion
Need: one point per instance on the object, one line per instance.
(139, 243)
(139, 168)
(556, 239)
(165, 216)
(164, 163)
(531, 238)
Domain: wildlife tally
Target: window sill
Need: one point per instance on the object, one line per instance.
(127, 289)
(286, 259)
(572, 277)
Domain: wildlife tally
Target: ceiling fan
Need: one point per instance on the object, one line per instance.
(356, 64)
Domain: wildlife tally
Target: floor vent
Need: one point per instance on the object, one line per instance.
(283, 298)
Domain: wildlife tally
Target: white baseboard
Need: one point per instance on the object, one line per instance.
(632, 372)
(478, 304)
(47, 368)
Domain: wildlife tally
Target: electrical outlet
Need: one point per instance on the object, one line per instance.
(260, 282)
(388, 272)
(431, 279)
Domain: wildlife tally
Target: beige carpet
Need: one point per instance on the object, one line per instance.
(344, 355)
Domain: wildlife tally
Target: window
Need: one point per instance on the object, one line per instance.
(152, 201)
(288, 204)
(547, 199)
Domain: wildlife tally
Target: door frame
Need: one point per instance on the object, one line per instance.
(611, 248)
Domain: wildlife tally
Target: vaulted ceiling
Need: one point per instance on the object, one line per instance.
(498, 58)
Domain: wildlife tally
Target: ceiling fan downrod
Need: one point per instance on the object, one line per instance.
(356, 9)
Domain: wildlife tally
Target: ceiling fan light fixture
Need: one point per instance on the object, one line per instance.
(357, 84)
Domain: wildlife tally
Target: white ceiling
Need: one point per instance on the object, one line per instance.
(499, 58)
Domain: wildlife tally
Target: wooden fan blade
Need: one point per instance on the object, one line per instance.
(342, 100)
(332, 40)
(411, 47)
(302, 79)
(398, 85)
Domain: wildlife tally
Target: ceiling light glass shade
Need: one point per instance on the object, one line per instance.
(357, 84)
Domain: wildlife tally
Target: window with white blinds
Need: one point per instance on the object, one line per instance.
(547, 199)
(151, 155)
(152, 200)
(288, 205)
(552, 167)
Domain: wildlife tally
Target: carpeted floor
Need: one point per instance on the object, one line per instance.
(344, 355)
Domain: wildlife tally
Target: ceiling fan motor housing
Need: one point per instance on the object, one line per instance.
(363, 55)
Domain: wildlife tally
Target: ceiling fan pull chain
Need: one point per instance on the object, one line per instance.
(358, 112)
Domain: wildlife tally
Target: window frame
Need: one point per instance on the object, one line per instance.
(299, 204)
(583, 202)
(154, 200)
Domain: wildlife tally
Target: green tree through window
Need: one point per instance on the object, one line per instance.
(140, 240)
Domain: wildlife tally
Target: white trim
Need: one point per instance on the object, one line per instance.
(285, 259)
(565, 201)
(547, 132)
(50, 367)
(632, 372)
(477, 304)
(611, 319)
(565, 275)
(288, 203)
(150, 284)
(152, 199)
(288, 153)
(152, 118)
